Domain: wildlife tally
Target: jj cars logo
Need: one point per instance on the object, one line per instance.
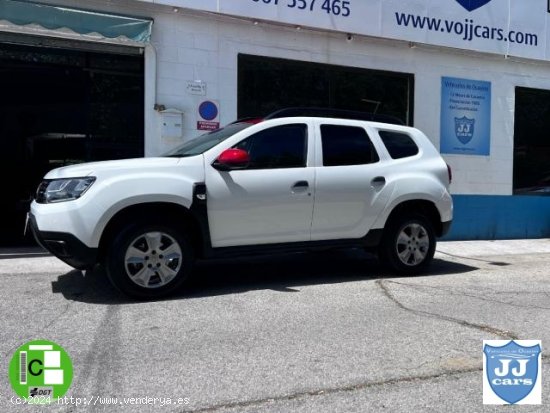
(472, 5)
(464, 129)
(512, 372)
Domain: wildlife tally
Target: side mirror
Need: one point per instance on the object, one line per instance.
(232, 159)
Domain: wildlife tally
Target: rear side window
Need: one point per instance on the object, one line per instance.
(278, 147)
(346, 145)
(399, 145)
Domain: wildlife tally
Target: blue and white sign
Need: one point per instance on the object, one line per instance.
(208, 110)
(512, 372)
(465, 116)
(208, 115)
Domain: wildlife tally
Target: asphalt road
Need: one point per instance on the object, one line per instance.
(318, 332)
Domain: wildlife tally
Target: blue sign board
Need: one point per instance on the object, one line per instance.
(465, 116)
(208, 110)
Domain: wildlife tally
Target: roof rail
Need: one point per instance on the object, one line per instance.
(333, 113)
(251, 119)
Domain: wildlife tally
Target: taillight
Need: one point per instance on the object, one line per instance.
(450, 172)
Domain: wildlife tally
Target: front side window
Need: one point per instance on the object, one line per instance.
(346, 145)
(278, 147)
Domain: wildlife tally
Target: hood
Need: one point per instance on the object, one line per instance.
(124, 165)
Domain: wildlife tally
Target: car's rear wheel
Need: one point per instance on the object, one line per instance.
(149, 261)
(408, 244)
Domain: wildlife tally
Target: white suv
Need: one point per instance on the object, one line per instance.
(282, 184)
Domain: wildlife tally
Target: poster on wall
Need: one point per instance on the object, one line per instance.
(465, 116)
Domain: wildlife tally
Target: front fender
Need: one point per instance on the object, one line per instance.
(133, 201)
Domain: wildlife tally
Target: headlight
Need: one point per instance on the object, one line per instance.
(59, 190)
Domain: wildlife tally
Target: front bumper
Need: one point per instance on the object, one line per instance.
(64, 246)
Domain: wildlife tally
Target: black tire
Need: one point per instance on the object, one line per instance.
(420, 244)
(150, 274)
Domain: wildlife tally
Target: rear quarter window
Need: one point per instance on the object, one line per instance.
(399, 145)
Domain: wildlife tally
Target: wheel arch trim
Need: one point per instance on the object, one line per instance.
(122, 210)
(425, 205)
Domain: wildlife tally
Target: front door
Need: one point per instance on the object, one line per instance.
(270, 201)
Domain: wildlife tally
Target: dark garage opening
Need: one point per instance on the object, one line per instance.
(531, 142)
(61, 107)
(268, 84)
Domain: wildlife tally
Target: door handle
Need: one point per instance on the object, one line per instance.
(300, 186)
(379, 180)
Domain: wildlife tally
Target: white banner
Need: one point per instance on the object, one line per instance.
(516, 28)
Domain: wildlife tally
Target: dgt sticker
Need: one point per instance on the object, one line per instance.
(512, 372)
(40, 370)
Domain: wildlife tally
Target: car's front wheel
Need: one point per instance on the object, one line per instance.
(149, 261)
(408, 244)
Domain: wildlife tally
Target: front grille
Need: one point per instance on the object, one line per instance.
(41, 192)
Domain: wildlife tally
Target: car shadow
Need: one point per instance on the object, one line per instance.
(284, 273)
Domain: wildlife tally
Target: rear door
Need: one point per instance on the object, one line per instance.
(350, 180)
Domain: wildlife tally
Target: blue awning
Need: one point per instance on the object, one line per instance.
(83, 22)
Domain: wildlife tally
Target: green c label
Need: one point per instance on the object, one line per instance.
(40, 370)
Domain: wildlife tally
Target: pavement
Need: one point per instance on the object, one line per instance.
(316, 332)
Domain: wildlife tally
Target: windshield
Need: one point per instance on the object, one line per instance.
(206, 141)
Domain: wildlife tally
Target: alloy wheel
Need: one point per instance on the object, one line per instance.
(413, 244)
(153, 259)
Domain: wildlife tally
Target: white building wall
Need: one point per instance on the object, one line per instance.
(193, 46)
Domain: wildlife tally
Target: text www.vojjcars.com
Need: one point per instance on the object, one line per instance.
(466, 30)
